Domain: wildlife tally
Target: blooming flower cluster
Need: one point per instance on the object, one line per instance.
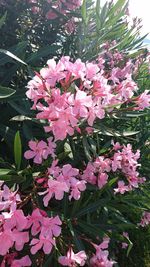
(123, 160)
(74, 93)
(70, 97)
(63, 180)
(72, 259)
(16, 230)
(145, 219)
(56, 7)
(100, 258)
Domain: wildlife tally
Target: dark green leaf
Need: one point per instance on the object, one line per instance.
(6, 92)
(17, 150)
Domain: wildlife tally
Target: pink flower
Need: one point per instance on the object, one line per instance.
(23, 262)
(8, 199)
(35, 221)
(35, 10)
(53, 73)
(89, 174)
(20, 239)
(76, 188)
(122, 188)
(67, 173)
(38, 151)
(6, 241)
(143, 100)
(71, 259)
(51, 226)
(70, 26)
(102, 179)
(15, 219)
(44, 242)
(101, 257)
(51, 147)
(55, 189)
(145, 219)
(51, 15)
(91, 71)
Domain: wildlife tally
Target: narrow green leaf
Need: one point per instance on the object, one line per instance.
(83, 11)
(2, 20)
(86, 148)
(129, 247)
(6, 52)
(17, 150)
(92, 207)
(5, 171)
(12, 178)
(6, 92)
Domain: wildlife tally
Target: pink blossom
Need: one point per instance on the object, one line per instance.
(76, 188)
(51, 14)
(23, 262)
(102, 179)
(35, 221)
(51, 226)
(15, 219)
(20, 239)
(145, 219)
(122, 188)
(71, 259)
(55, 189)
(8, 199)
(70, 26)
(44, 242)
(101, 257)
(143, 100)
(40, 150)
(53, 73)
(37, 151)
(6, 239)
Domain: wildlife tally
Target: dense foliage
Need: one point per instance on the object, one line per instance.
(74, 166)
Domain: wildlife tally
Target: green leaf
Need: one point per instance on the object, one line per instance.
(5, 171)
(2, 20)
(83, 11)
(48, 260)
(77, 241)
(91, 229)
(8, 53)
(17, 150)
(12, 178)
(129, 247)
(6, 92)
(92, 207)
(86, 148)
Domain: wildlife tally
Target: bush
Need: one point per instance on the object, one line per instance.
(77, 194)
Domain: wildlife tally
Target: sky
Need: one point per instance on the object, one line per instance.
(140, 9)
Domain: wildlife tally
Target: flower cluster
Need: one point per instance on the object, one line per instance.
(55, 8)
(124, 160)
(100, 258)
(145, 219)
(61, 180)
(72, 259)
(74, 93)
(17, 230)
(62, 6)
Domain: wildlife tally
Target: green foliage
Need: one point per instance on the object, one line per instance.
(24, 52)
